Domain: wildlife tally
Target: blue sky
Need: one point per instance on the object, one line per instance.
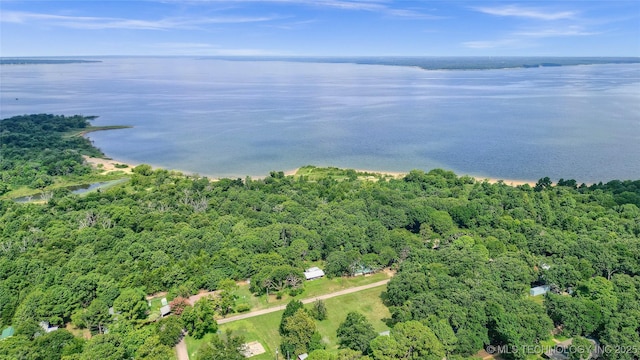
(320, 28)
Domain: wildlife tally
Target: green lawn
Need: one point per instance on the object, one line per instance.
(264, 329)
(367, 302)
(539, 299)
(155, 305)
(311, 289)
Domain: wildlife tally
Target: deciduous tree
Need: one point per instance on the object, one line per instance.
(198, 320)
(299, 330)
(131, 304)
(356, 332)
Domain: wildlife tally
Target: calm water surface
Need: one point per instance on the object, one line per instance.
(237, 118)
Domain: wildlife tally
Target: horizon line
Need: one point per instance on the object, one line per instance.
(324, 56)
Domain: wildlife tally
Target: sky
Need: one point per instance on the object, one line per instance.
(320, 28)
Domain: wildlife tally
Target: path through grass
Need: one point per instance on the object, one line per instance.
(264, 328)
(311, 289)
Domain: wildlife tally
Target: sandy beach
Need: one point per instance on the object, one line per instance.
(395, 174)
(109, 165)
(506, 181)
(399, 175)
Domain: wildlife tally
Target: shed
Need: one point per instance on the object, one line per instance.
(385, 333)
(7, 333)
(313, 273)
(45, 326)
(164, 302)
(303, 356)
(165, 310)
(363, 270)
(539, 290)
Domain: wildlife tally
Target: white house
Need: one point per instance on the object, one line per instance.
(313, 273)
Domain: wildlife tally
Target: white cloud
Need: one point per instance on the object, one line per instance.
(342, 4)
(525, 38)
(379, 6)
(294, 24)
(92, 22)
(490, 44)
(246, 52)
(205, 49)
(546, 24)
(556, 32)
(531, 13)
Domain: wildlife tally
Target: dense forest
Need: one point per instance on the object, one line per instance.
(37, 150)
(467, 252)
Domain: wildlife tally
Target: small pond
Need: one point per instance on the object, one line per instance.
(75, 189)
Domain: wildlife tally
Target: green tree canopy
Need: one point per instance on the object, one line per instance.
(131, 304)
(356, 332)
(198, 320)
(299, 333)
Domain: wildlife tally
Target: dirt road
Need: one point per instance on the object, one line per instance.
(181, 350)
(304, 301)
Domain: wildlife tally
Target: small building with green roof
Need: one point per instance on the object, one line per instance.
(7, 333)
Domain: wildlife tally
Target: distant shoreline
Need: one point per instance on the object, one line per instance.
(439, 63)
(33, 61)
(434, 63)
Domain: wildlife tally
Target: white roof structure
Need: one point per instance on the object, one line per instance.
(45, 326)
(539, 290)
(165, 310)
(313, 273)
(303, 356)
(53, 328)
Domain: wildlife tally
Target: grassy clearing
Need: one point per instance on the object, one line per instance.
(367, 302)
(313, 173)
(20, 192)
(537, 299)
(156, 304)
(311, 289)
(79, 333)
(264, 329)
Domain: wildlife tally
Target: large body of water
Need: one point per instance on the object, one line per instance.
(237, 118)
